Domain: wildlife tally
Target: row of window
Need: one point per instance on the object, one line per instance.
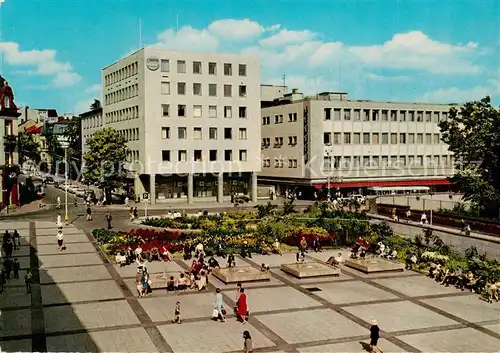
(198, 155)
(133, 156)
(197, 111)
(122, 74)
(383, 115)
(92, 122)
(197, 89)
(122, 115)
(375, 138)
(278, 119)
(278, 141)
(197, 68)
(198, 133)
(121, 94)
(279, 163)
(130, 134)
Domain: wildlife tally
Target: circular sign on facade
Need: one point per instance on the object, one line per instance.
(153, 63)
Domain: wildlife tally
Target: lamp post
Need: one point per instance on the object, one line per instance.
(430, 216)
(63, 141)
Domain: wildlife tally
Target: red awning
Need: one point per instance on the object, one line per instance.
(369, 184)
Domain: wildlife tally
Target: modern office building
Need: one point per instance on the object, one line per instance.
(8, 147)
(91, 121)
(192, 121)
(328, 141)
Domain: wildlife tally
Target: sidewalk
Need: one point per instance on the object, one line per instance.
(30, 208)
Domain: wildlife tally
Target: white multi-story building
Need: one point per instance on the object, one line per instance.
(192, 121)
(328, 141)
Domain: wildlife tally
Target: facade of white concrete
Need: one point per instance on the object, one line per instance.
(192, 121)
(327, 138)
(91, 122)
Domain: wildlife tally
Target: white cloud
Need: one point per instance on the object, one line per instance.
(457, 95)
(92, 92)
(382, 78)
(305, 84)
(43, 62)
(235, 29)
(273, 28)
(285, 37)
(189, 39)
(94, 89)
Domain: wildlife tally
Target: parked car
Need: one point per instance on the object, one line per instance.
(360, 198)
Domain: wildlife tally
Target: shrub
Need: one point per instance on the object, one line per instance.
(310, 234)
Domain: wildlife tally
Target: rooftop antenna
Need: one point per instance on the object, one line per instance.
(284, 81)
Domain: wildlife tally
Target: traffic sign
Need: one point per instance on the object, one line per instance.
(145, 196)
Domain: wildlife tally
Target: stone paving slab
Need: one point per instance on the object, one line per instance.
(14, 297)
(351, 292)
(11, 225)
(469, 308)
(398, 274)
(47, 261)
(68, 239)
(16, 346)
(271, 260)
(53, 231)
(75, 248)
(352, 347)
(223, 286)
(399, 316)
(266, 299)
(24, 250)
(88, 316)
(16, 282)
(211, 336)
(24, 263)
(153, 268)
(415, 286)
(309, 282)
(198, 305)
(79, 292)
(461, 340)
(128, 340)
(16, 322)
(73, 274)
(311, 325)
(494, 328)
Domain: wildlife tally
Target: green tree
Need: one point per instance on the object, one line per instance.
(96, 105)
(473, 135)
(28, 148)
(103, 161)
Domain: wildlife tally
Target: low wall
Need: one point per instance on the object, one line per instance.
(424, 201)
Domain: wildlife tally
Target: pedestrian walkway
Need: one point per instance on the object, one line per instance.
(81, 302)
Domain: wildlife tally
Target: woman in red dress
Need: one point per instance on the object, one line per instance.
(242, 307)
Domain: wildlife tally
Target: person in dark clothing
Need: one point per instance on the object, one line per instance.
(7, 265)
(109, 219)
(15, 268)
(17, 240)
(28, 278)
(136, 213)
(2, 280)
(374, 335)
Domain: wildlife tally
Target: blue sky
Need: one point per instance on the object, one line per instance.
(437, 51)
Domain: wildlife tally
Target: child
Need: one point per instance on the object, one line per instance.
(177, 313)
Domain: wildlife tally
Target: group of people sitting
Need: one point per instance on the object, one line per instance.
(139, 256)
(386, 252)
(360, 248)
(265, 249)
(457, 277)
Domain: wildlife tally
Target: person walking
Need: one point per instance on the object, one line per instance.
(242, 307)
(2, 279)
(374, 336)
(15, 268)
(136, 213)
(58, 206)
(16, 239)
(89, 213)
(219, 306)
(109, 218)
(247, 342)
(28, 278)
(60, 238)
(59, 221)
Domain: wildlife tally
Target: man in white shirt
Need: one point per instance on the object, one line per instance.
(59, 221)
(60, 238)
(58, 202)
(423, 219)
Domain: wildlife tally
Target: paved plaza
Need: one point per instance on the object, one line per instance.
(81, 302)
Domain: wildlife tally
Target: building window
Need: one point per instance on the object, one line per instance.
(181, 66)
(357, 115)
(420, 161)
(347, 114)
(182, 156)
(242, 112)
(366, 161)
(228, 91)
(436, 117)
(181, 133)
(242, 133)
(165, 156)
(242, 69)
(437, 140)
(366, 115)
(181, 110)
(228, 155)
(228, 69)
(165, 109)
(197, 89)
(402, 138)
(336, 138)
(212, 111)
(197, 111)
(212, 68)
(347, 138)
(375, 161)
(402, 115)
(428, 139)
(420, 138)
(228, 111)
(243, 155)
(394, 115)
(165, 65)
(394, 139)
(385, 161)
(212, 155)
(165, 87)
(327, 138)
(197, 156)
(366, 138)
(336, 114)
(196, 67)
(328, 113)
(278, 141)
(420, 116)
(212, 133)
(375, 115)
(181, 88)
(375, 138)
(243, 91)
(327, 163)
(428, 117)
(212, 90)
(356, 138)
(411, 139)
(228, 133)
(444, 116)
(411, 116)
(385, 115)
(278, 119)
(165, 133)
(292, 140)
(385, 138)
(197, 133)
